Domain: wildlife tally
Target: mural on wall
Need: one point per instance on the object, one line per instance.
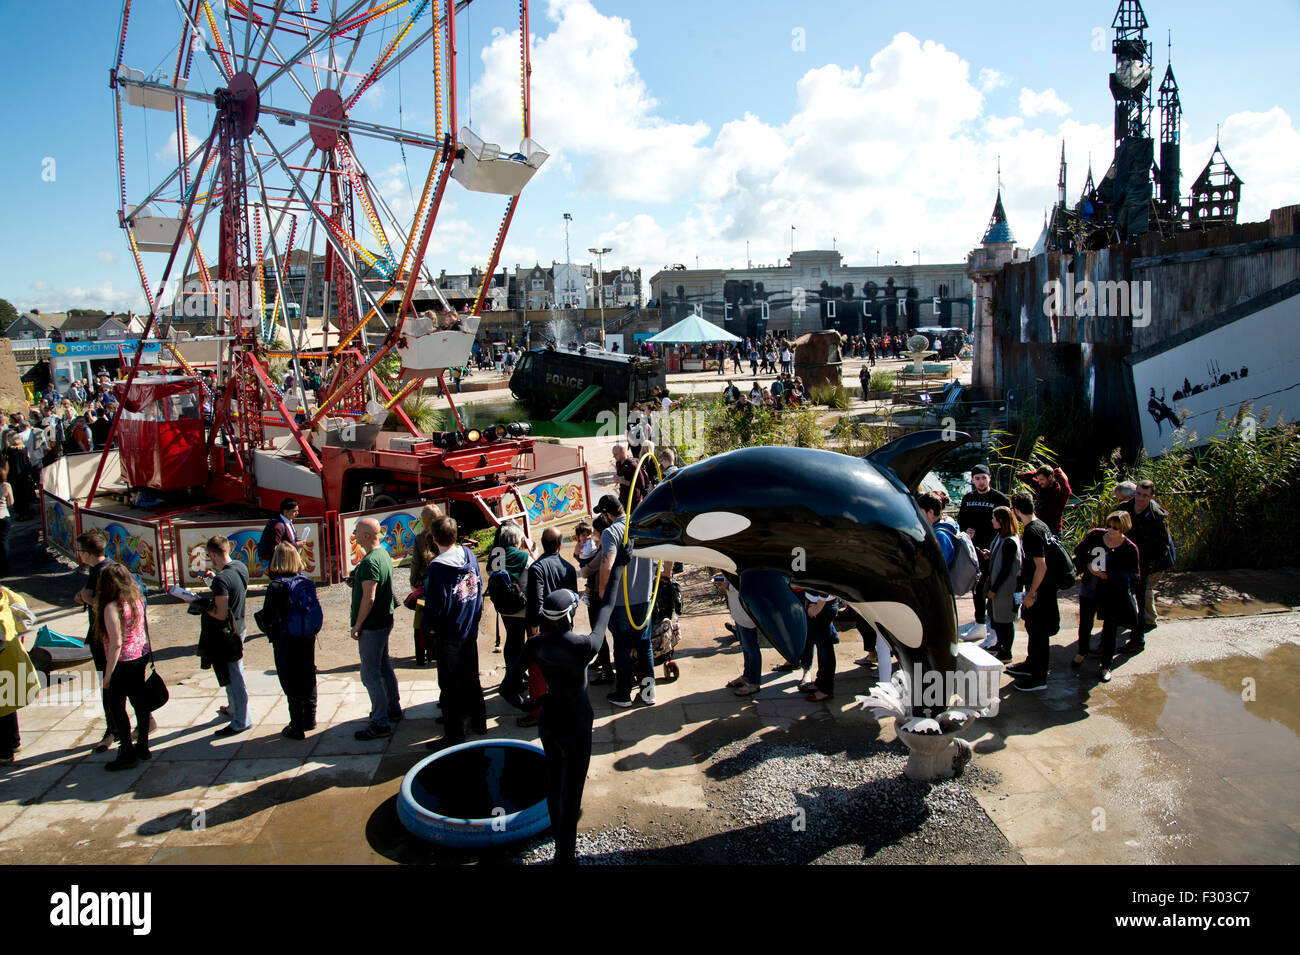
(191, 548)
(401, 527)
(132, 543)
(551, 499)
(1195, 385)
(60, 522)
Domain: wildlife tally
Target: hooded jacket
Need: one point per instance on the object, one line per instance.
(453, 595)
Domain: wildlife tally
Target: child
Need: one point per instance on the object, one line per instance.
(586, 552)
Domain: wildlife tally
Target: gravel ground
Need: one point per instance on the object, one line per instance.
(796, 801)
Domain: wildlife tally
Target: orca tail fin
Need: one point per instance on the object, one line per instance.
(914, 455)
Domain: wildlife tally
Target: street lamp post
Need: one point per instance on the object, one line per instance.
(600, 279)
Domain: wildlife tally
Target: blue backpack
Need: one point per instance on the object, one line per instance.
(304, 617)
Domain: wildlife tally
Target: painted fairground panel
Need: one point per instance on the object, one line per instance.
(59, 522)
(401, 526)
(192, 556)
(551, 499)
(137, 544)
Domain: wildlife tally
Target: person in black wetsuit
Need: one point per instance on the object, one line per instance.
(566, 720)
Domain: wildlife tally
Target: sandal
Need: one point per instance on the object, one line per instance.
(737, 682)
(819, 697)
(808, 687)
(787, 667)
(748, 689)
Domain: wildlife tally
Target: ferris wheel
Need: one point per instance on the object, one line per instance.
(245, 132)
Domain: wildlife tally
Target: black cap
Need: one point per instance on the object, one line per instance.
(609, 504)
(979, 469)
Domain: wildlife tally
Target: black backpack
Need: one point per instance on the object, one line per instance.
(1061, 574)
(505, 593)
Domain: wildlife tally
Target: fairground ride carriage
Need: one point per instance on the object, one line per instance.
(268, 212)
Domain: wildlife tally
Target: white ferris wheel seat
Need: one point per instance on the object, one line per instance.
(146, 97)
(153, 233)
(484, 168)
(430, 355)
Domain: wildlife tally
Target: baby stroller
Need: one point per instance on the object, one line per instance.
(665, 632)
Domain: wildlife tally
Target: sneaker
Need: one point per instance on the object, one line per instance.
(648, 691)
(292, 732)
(1003, 656)
(1020, 669)
(396, 717)
(1029, 684)
(621, 700)
(373, 732)
(231, 730)
(1105, 676)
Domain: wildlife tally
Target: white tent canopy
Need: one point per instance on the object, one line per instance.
(692, 330)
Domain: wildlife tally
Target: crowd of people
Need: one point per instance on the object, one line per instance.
(550, 661)
(1117, 564)
(787, 391)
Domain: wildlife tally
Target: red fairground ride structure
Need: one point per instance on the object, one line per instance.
(293, 94)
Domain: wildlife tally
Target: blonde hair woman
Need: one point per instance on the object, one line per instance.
(290, 593)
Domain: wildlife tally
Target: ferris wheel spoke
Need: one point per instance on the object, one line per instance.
(406, 51)
(312, 43)
(340, 249)
(373, 74)
(266, 37)
(218, 57)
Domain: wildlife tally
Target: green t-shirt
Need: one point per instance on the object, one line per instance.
(376, 566)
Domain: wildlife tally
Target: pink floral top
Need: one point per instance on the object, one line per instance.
(134, 640)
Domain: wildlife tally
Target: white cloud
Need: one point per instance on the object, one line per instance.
(168, 150)
(991, 79)
(1034, 104)
(105, 256)
(584, 81)
(375, 96)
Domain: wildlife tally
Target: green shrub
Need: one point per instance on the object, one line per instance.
(883, 380)
(832, 396)
(1233, 503)
(423, 414)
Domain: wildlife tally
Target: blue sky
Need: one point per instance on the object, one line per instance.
(677, 129)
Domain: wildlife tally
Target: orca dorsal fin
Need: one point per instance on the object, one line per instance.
(914, 455)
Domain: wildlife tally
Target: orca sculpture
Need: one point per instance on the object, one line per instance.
(770, 517)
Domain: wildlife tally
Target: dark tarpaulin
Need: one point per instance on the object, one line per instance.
(1132, 187)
